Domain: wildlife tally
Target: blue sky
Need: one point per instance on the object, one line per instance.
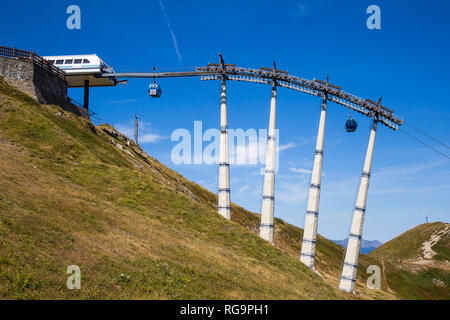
(406, 62)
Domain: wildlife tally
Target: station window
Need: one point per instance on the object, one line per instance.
(77, 61)
(86, 61)
(59, 61)
(69, 61)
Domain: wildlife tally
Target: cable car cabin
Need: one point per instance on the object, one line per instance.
(154, 90)
(351, 125)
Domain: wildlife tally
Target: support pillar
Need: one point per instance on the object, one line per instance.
(350, 267)
(86, 94)
(267, 208)
(308, 250)
(223, 198)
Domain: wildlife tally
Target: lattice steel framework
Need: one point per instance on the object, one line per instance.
(315, 87)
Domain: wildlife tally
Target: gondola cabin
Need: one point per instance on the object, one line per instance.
(350, 125)
(154, 90)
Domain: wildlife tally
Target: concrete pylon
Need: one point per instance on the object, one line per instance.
(223, 198)
(308, 250)
(350, 267)
(267, 208)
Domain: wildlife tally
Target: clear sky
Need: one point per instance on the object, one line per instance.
(406, 62)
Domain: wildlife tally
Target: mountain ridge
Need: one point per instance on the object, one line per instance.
(366, 245)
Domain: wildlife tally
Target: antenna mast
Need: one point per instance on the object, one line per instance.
(136, 129)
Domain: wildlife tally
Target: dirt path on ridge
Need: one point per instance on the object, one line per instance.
(428, 252)
(427, 246)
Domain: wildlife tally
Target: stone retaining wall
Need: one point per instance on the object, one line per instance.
(42, 85)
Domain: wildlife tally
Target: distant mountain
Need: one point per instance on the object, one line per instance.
(366, 245)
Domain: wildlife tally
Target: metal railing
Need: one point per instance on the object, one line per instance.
(32, 57)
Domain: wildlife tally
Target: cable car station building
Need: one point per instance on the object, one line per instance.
(82, 71)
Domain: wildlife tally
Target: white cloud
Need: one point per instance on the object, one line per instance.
(291, 193)
(125, 129)
(124, 101)
(408, 170)
(146, 133)
(305, 162)
(305, 141)
(341, 187)
(286, 146)
(334, 143)
(174, 38)
(300, 170)
(150, 138)
(399, 180)
(241, 190)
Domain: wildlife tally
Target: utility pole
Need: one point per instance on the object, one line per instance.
(136, 129)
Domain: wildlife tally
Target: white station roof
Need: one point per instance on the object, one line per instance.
(79, 68)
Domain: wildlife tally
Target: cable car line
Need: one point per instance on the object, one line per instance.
(420, 141)
(424, 133)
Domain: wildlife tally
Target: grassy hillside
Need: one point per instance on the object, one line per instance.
(72, 193)
(408, 244)
(409, 271)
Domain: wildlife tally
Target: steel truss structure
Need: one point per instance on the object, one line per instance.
(282, 79)
(313, 87)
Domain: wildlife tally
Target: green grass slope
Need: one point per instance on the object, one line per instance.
(407, 270)
(75, 194)
(408, 244)
(288, 239)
